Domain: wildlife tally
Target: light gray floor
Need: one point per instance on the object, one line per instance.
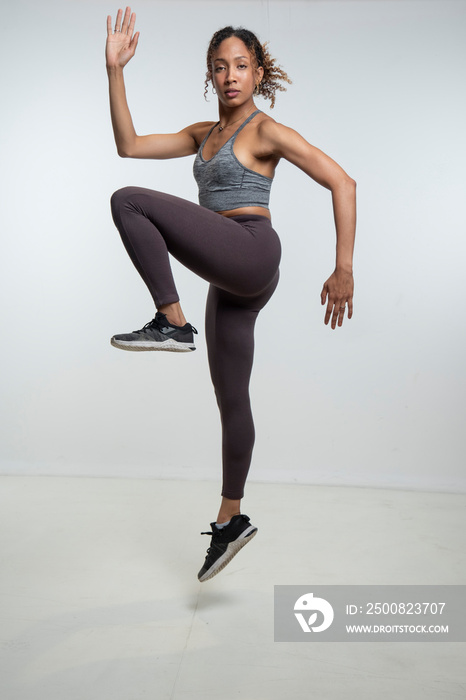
(100, 598)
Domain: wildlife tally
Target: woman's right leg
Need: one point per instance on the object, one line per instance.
(218, 249)
(145, 246)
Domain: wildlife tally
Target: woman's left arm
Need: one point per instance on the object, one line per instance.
(283, 142)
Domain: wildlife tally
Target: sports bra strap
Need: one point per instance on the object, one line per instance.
(246, 121)
(233, 137)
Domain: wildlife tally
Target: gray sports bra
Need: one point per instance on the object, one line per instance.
(224, 183)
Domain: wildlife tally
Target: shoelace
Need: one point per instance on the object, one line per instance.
(215, 534)
(157, 324)
(212, 532)
(151, 324)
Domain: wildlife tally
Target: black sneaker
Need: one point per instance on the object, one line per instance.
(158, 334)
(226, 542)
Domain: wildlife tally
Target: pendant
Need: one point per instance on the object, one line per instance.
(220, 128)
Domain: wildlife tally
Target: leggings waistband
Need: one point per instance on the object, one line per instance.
(250, 217)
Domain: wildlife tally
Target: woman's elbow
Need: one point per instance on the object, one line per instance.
(345, 183)
(127, 149)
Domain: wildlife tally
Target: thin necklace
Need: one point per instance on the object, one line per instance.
(221, 128)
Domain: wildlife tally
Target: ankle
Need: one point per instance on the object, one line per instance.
(224, 518)
(175, 322)
(174, 314)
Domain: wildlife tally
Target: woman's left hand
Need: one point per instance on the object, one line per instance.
(338, 291)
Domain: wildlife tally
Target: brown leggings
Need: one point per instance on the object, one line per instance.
(239, 257)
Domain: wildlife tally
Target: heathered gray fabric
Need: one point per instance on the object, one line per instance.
(224, 183)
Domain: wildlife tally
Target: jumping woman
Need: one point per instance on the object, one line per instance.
(227, 239)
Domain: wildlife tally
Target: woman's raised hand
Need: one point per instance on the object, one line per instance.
(121, 44)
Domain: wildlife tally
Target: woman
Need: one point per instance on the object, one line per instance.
(228, 239)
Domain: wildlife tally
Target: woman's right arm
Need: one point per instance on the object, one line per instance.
(120, 48)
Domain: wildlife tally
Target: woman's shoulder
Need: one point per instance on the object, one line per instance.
(268, 127)
(275, 135)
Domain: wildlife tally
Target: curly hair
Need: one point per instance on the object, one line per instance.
(273, 74)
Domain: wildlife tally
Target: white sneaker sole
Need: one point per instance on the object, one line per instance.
(169, 345)
(232, 549)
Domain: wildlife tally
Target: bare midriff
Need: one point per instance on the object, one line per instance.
(256, 211)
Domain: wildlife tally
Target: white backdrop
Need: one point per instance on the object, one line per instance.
(379, 86)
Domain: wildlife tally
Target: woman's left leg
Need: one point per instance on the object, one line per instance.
(230, 322)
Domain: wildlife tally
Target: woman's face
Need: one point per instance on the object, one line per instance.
(234, 74)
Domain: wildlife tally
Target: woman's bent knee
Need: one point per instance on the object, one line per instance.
(120, 197)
